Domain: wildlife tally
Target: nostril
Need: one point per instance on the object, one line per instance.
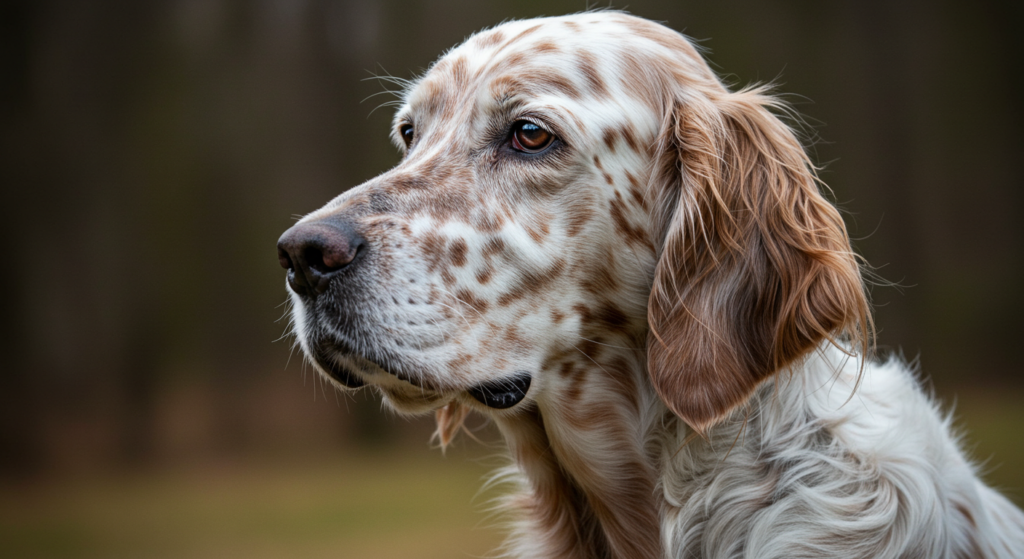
(337, 260)
(284, 259)
(332, 257)
(314, 258)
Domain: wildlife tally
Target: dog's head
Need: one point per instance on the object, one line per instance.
(569, 185)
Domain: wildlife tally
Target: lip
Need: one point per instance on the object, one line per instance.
(418, 395)
(335, 371)
(503, 393)
(378, 371)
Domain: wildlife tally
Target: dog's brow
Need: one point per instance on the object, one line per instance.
(507, 101)
(506, 105)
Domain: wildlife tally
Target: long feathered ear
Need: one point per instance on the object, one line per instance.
(756, 267)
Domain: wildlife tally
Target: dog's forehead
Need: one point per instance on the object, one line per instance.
(583, 60)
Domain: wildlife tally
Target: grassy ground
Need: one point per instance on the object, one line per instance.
(417, 504)
(992, 425)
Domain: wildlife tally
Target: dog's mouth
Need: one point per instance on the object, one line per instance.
(503, 393)
(354, 370)
(497, 394)
(343, 375)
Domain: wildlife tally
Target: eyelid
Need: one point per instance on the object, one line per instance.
(544, 123)
(532, 120)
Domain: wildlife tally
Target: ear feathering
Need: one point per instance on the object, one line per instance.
(756, 267)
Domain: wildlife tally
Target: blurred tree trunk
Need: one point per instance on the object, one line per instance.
(19, 448)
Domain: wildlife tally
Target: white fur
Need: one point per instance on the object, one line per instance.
(819, 450)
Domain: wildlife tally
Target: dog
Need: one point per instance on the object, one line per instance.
(632, 271)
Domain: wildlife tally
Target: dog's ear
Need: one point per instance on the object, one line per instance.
(756, 267)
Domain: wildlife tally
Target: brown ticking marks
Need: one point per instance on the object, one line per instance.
(607, 176)
(587, 65)
(491, 39)
(532, 283)
(632, 233)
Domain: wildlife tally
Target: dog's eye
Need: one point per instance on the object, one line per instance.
(407, 133)
(530, 138)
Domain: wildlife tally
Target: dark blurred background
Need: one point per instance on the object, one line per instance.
(152, 153)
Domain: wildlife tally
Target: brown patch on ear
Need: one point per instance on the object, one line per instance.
(756, 269)
(450, 420)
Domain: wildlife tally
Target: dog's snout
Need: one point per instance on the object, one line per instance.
(315, 252)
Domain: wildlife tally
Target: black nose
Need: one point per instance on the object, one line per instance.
(315, 252)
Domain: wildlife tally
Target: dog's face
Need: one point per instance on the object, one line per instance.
(514, 231)
(568, 185)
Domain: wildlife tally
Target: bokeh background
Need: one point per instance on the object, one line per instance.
(152, 152)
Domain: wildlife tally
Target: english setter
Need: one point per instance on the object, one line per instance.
(632, 271)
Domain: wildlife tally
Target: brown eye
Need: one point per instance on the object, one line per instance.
(530, 138)
(407, 133)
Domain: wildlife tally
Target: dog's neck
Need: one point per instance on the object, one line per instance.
(589, 469)
(590, 466)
